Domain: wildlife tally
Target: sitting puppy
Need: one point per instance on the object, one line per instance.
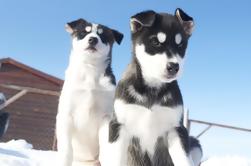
(87, 94)
(147, 128)
(4, 117)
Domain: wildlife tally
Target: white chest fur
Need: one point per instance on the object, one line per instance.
(147, 124)
(86, 99)
(87, 93)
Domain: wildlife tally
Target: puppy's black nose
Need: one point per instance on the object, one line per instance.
(173, 68)
(93, 41)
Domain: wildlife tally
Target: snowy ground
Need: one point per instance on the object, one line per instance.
(20, 153)
(227, 161)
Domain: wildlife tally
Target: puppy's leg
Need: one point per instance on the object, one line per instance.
(178, 147)
(64, 127)
(195, 151)
(112, 145)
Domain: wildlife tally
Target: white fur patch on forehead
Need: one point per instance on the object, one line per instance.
(161, 37)
(100, 30)
(88, 29)
(94, 27)
(178, 38)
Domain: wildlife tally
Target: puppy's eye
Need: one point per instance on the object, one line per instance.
(154, 41)
(82, 34)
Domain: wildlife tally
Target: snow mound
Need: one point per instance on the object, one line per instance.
(227, 161)
(20, 153)
(16, 144)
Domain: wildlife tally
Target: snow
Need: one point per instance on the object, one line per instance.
(227, 161)
(20, 153)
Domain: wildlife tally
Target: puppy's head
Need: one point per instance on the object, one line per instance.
(160, 41)
(92, 40)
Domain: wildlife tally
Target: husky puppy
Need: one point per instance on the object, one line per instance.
(87, 94)
(147, 128)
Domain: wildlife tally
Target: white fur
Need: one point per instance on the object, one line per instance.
(141, 122)
(88, 29)
(86, 99)
(178, 38)
(161, 37)
(100, 31)
(154, 68)
(147, 124)
(196, 156)
(112, 154)
(177, 153)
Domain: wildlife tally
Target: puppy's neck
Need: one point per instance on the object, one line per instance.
(89, 59)
(84, 67)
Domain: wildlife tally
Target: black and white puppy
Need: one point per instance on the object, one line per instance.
(147, 128)
(87, 94)
(4, 116)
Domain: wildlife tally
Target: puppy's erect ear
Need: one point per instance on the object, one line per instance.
(74, 25)
(143, 19)
(185, 20)
(117, 36)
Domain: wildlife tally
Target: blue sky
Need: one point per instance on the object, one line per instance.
(216, 83)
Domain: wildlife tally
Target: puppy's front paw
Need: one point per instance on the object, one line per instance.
(88, 163)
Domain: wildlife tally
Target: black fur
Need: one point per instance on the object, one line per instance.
(108, 36)
(108, 70)
(148, 24)
(136, 157)
(183, 135)
(183, 15)
(165, 23)
(114, 127)
(194, 143)
(109, 73)
(153, 95)
(161, 156)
